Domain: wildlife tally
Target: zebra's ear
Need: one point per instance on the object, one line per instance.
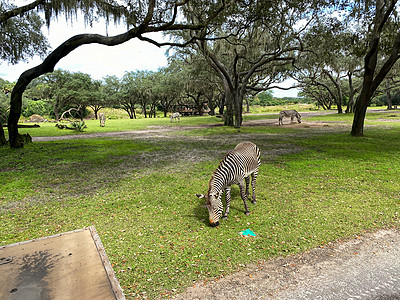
(200, 196)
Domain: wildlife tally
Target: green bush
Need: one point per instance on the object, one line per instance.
(38, 107)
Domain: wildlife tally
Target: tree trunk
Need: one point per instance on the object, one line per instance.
(144, 111)
(339, 102)
(3, 140)
(96, 109)
(229, 112)
(15, 109)
(388, 96)
(56, 111)
(247, 105)
(371, 83)
(129, 113)
(364, 98)
(350, 105)
(340, 96)
(165, 105)
(82, 112)
(199, 103)
(211, 106)
(359, 116)
(238, 106)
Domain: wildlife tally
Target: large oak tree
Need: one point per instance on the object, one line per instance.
(384, 35)
(251, 49)
(141, 17)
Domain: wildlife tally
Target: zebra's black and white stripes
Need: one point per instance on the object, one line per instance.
(175, 116)
(235, 168)
(289, 114)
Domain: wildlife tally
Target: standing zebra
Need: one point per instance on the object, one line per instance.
(289, 113)
(175, 116)
(102, 119)
(235, 168)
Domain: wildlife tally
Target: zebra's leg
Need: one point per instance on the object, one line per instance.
(247, 180)
(228, 201)
(244, 197)
(253, 185)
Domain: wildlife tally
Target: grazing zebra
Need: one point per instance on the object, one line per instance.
(235, 168)
(175, 116)
(289, 113)
(102, 119)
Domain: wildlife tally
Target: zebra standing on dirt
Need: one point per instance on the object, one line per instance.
(235, 168)
(175, 116)
(289, 113)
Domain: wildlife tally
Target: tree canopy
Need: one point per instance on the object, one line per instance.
(140, 17)
(21, 37)
(339, 52)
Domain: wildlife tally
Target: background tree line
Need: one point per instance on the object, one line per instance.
(339, 52)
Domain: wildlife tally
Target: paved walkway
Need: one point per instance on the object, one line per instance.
(367, 267)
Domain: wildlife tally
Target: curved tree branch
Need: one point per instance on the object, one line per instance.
(19, 10)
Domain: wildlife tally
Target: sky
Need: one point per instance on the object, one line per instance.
(98, 60)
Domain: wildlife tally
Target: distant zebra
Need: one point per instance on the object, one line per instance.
(175, 116)
(289, 113)
(235, 168)
(102, 119)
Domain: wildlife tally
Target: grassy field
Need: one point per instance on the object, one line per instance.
(315, 185)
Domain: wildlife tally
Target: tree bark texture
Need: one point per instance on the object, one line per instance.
(388, 95)
(228, 113)
(353, 91)
(3, 140)
(19, 10)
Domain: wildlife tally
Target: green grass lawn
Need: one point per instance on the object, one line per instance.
(315, 185)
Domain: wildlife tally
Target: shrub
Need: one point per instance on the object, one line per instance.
(78, 125)
(38, 107)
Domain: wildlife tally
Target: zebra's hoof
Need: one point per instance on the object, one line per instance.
(254, 201)
(247, 213)
(224, 217)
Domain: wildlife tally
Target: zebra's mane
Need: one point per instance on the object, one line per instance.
(220, 165)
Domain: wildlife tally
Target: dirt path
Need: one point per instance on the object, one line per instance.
(163, 130)
(367, 267)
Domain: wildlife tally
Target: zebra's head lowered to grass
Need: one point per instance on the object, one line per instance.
(236, 167)
(290, 114)
(214, 206)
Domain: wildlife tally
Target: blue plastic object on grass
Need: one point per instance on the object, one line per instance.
(247, 232)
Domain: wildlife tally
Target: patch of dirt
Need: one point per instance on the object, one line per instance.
(308, 124)
(162, 131)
